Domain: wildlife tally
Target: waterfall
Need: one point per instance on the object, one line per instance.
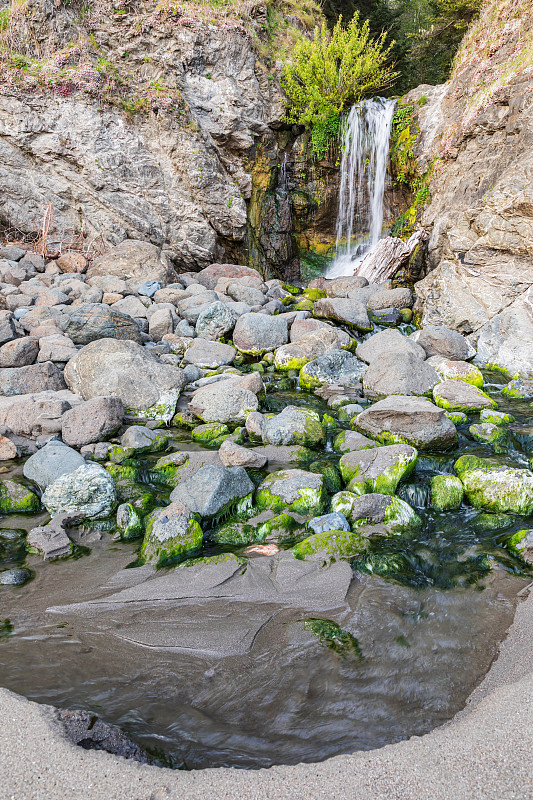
(365, 153)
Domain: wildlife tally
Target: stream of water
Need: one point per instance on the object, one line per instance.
(365, 154)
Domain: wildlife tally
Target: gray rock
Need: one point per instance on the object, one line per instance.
(97, 321)
(88, 491)
(191, 307)
(233, 455)
(92, 421)
(210, 276)
(14, 577)
(339, 287)
(246, 294)
(294, 490)
(52, 461)
(11, 252)
(215, 320)
(191, 372)
(255, 425)
(256, 333)
(344, 310)
(460, 396)
(285, 454)
(204, 353)
(329, 522)
(33, 379)
(143, 439)
(56, 348)
(131, 306)
(439, 341)
(35, 414)
(378, 470)
(223, 403)
(337, 366)
(149, 288)
(184, 329)
(148, 388)
(294, 425)
(133, 261)
(19, 352)
(7, 327)
(346, 441)
(213, 489)
(161, 322)
(302, 329)
(399, 373)
(388, 341)
(414, 420)
(390, 298)
(52, 540)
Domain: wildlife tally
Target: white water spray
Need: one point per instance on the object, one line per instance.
(365, 153)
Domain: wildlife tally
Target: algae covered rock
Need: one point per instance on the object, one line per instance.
(210, 434)
(495, 488)
(225, 403)
(460, 396)
(496, 417)
(331, 544)
(378, 470)
(337, 366)
(456, 370)
(294, 490)
(89, 491)
(519, 389)
(487, 432)
(129, 522)
(172, 534)
(294, 426)
(391, 511)
(413, 420)
(346, 441)
(521, 543)
(446, 492)
(15, 498)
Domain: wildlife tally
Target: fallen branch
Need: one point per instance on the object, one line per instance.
(388, 256)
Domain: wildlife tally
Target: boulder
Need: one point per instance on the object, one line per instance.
(56, 348)
(386, 342)
(331, 545)
(204, 353)
(233, 455)
(221, 402)
(399, 373)
(8, 449)
(413, 420)
(446, 492)
(519, 389)
(48, 464)
(213, 490)
(72, 262)
(339, 287)
(35, 414)
(92, 421)
(191, 307)
(215, 320)
(172, 535)
(294, 490)
(52, 540)
(19, 352)
(303, 328)
(459, 396)
(496, 489)
(246, 294)
(7, 327)
(337, 366)
(390, 298)
(349, 312)
(294, 425)
(98, 321)
(254, 334)
(456, 370)
(210, 276)
(506, 342)
(16, 498)
(347, 441)
(31, 380)
(148, 388)
(143, 440)
(314, 345)
(134, 261)
(378, 470)
(329, 522)
(183, 464)
(440, 341)
(378, 509)
(88, 491)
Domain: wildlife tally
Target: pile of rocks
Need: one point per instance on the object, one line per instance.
(86, 349)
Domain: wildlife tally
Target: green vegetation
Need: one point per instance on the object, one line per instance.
(336, 638)
(332, 71)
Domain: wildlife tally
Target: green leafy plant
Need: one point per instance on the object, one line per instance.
(332, 71)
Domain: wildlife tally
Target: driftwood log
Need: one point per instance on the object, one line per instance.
(388, 256)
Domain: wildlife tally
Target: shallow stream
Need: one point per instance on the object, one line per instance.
(419, 635)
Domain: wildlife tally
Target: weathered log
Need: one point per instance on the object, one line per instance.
(388, 256)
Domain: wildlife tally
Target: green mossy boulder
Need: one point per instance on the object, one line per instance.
(496, 417)
(377, 470)
(456, 395)
(446, 492)
(173, 534)
(330, 473)
(293, 490)
(487, 432)
(499, 489)
(332, 544)
(16, 498)
(281, 528)
(457, 417)
(129, 522)
(236, 534)
(210, 434)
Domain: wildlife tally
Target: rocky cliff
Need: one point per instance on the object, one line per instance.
(477, 130)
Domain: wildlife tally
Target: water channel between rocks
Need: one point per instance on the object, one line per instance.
(251, 682)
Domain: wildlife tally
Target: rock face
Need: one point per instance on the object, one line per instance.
(126, 370)
(480, 214)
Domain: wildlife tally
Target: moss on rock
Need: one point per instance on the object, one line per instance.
(446, 492)
(332, 544)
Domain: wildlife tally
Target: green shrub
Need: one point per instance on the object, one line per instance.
(331, 71)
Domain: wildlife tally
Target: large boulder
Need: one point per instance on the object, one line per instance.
(223, 402)
(34, 414)
(134, 261)
(345, 441)
(205, 353)
(213, 490)
(15, 498)
(507, 340)
(303, 328)
(215, 320)
(494, 488)
(210, 276)
(51, 462)
(92, 421)
(440, 341)
(314, 345)
(399, 373)
(98, 321)
(234, 455)
(294, 426)
(378, 470)
(385, 342)
(254, 334)
(457, 370)
(337, 366)
(460, 396)
(31, 380)
(148, 388)
(172, 535)
(349, 312)
(375, 509)
(413, 420)
(88, 491)
(294, 490)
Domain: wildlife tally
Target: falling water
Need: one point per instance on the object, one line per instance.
(365, 151)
